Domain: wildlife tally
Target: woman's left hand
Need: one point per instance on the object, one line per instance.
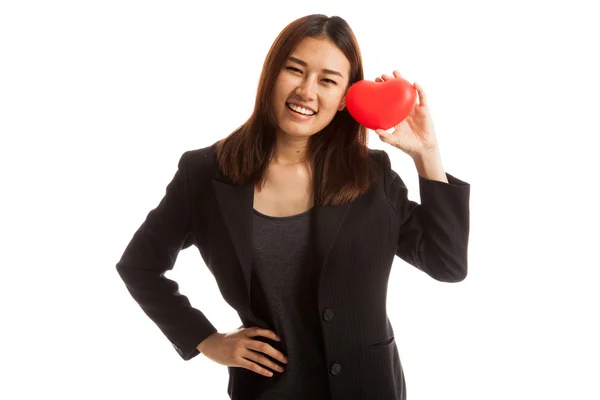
(415, 135)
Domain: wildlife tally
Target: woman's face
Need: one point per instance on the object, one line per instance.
(314, 77)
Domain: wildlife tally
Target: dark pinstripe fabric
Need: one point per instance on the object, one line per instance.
(355, 246)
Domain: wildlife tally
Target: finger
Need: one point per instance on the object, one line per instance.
(397, 74)
(386, 77)
(378, 79)
(384, 136)
(252, 366)
(263, 347)
(263, 360)
(422, 98)
(382, 132)
(258, 331)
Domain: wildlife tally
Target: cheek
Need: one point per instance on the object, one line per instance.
(333, 103)
(337, 98)
(278, 99)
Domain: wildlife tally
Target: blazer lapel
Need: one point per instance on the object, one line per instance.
(236, 204)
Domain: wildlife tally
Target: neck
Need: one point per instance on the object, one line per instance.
(289, 151)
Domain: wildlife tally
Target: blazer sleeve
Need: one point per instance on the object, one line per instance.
(434, 235)
(151, 252)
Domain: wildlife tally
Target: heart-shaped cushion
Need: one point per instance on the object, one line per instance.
(381, 105)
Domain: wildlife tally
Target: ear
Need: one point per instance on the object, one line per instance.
(342, 104)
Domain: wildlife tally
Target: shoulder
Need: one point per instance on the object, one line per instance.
(381, 157)
(198, 167)
(199, 160)
(391, 182)
(384, 166)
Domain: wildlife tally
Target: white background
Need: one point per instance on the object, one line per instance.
(98, 100)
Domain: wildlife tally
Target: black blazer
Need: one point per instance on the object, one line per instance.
(355, 246)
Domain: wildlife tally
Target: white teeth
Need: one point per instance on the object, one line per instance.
(301, 110)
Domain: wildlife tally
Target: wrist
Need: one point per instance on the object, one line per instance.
(429, 165)
(423, 155)
(204, 343)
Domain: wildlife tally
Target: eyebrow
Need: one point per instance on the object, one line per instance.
(304, 64)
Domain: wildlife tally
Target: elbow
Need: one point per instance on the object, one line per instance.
(451, 269)
(124, 271)
(456, 275)
(120, 269)
(448, 263)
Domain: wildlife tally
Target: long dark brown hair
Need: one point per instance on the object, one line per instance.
(339, 152)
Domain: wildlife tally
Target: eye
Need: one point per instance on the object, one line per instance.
(297, 70)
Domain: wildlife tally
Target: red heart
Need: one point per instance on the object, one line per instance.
(381, 105)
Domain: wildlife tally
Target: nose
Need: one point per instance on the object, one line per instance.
(306, 90)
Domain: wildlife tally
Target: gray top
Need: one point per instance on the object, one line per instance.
(287, 278)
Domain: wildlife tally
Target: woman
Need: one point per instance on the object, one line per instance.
(299, 222)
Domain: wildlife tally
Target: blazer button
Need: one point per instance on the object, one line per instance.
(336, 369)
(328, 314)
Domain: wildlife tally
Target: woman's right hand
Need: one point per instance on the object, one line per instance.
(237, 349)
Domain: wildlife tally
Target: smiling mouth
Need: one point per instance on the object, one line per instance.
(300, 110)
